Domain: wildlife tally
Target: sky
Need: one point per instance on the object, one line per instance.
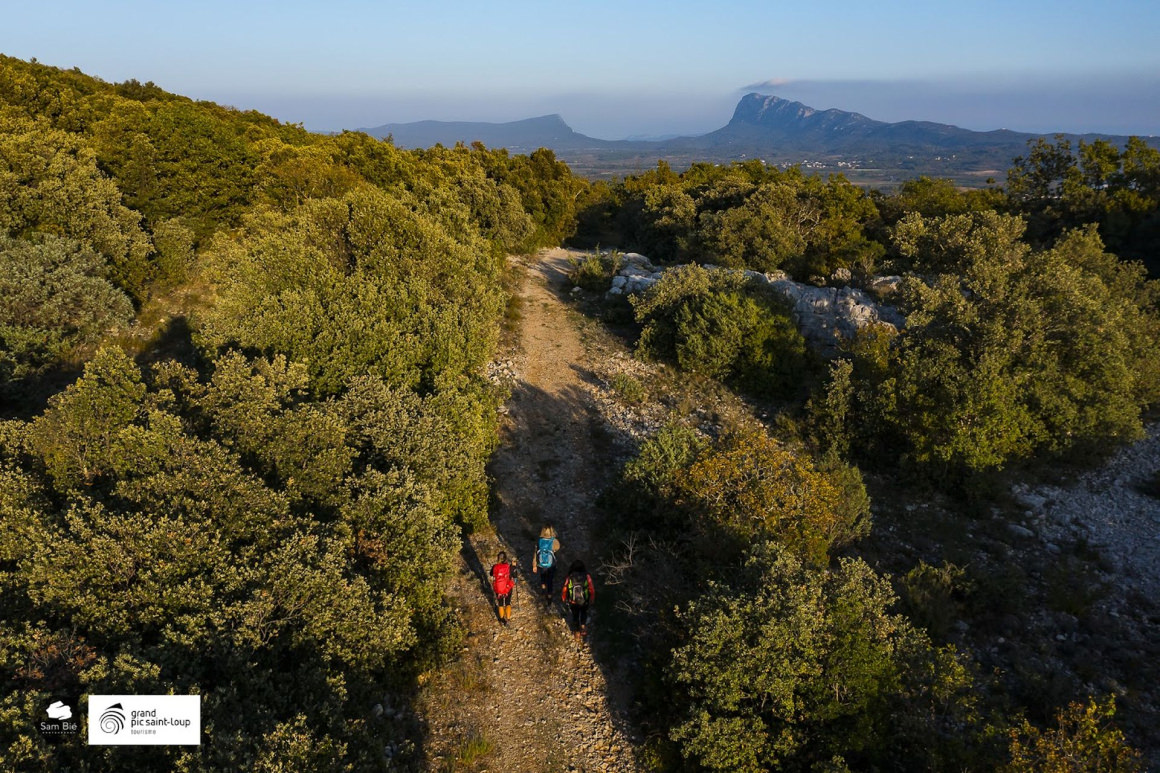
(615, 69)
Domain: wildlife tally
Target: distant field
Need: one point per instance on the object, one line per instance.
(610, 165)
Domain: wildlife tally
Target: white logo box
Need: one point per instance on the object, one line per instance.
(144, 720)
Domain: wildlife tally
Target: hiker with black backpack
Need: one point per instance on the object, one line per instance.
(578, 594)
(502, 584)
(544, 562)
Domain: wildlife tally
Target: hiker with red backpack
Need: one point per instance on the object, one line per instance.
(502, 584)
(544, 562)
(578, 594)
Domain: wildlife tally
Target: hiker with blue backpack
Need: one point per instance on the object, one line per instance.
(544, 562)
(578, 594)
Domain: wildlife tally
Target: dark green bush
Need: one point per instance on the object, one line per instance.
(711, 323)
(55, 299)
(797, 665)
(933, 597)
(1008, 352)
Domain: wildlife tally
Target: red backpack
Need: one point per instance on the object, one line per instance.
(502, 579)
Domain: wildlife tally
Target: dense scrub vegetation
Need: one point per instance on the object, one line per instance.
(777, 655)
(1007, 351)
(1019, 339)
(748, 215)
(233, 539)
(269, 521)
(765, 644)
(1117, 189)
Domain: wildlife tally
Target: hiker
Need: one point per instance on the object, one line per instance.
(544, 562)
(578, 594)
(501, 583)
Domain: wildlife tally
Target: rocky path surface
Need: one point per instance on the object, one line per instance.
(527, 697)
(1110, 509)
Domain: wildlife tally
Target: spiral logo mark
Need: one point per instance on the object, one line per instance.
(113, 719)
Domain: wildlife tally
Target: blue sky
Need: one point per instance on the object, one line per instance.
(614, 69)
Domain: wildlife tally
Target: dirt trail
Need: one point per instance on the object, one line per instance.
(527, 698)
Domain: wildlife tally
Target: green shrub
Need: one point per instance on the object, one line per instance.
(362, 285)
(643, 497)
(673, 448)
(932, 596)
(52, 184)
(628, 388)
(829, 415)
(1084, 739)
(83, 435)
(764, 232)
(56, 299)
(709, 322)
(1008, 352)
(173, 242)
(756, 489)
(798, 665)
(594, 272)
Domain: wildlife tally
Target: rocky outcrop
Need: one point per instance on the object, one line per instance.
(824, 315)
(637, 275)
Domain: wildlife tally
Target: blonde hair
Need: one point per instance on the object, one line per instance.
(548, 531)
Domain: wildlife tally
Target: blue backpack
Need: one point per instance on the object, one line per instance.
(544, 555)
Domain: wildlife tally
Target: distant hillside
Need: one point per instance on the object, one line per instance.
(772, 122)
(769, 126)
(776, 130)
(547, 131)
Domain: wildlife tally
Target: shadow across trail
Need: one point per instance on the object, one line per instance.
(552, 464)
(563, 708)
(480, 568)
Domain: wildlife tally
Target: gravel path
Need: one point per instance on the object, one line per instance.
(538, 701)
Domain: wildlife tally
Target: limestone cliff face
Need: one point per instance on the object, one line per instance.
(776, 116)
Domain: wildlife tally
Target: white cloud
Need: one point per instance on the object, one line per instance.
(772, 83)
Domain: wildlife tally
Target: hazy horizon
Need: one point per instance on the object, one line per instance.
(647, 68)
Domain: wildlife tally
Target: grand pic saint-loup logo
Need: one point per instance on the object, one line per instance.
(144, 720)
(112, 719)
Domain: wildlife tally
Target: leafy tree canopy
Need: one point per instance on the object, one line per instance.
(1008, 350)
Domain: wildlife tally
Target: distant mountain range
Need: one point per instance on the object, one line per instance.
(548, 131)
(776, 130)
